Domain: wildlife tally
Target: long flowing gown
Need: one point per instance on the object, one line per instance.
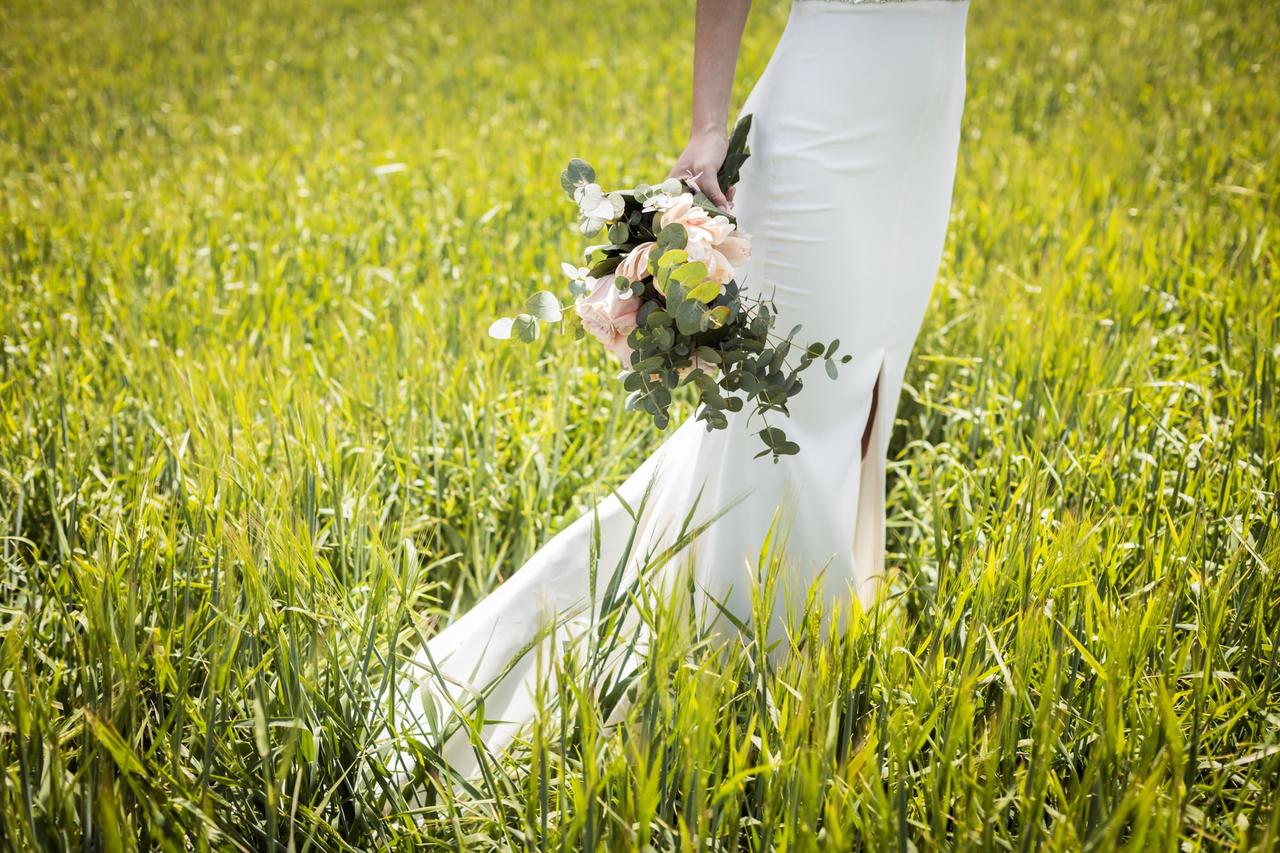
(846, 196)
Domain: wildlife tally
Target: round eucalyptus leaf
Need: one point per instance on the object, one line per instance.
(501, 328)
(577, 173)
(673, 236)
(544, 305)
(525, 327)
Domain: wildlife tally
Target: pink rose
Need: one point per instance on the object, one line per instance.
(714, 240)
(621, 350)
(736, 248)
(635, 266)
(718, 266)
(684, 211)
(700, 224)
(716, 229)
(609, 316)
(680, 208)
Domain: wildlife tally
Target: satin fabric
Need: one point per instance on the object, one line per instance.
(846, 198)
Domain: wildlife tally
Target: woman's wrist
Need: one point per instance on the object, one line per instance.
(709, 129)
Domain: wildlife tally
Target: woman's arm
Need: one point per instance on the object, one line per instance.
(717, 34)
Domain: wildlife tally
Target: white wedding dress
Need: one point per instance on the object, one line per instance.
(846, 198)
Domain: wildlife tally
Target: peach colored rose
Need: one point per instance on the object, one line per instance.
(714, 240)
(635, 266)
(718, 266)
(609, 317)
(684, 211)
(621, 350)
(715, 229)
(736, 248)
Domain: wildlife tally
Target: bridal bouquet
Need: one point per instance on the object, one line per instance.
(662, 297)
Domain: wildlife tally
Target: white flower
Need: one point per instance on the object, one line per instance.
(597, 207)
(664, 195)
(581, 280)
(712, 239)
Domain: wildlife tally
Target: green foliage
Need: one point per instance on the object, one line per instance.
(735, 155)
(684, 313)
(544, 305)
(255, 442)
(577, 174)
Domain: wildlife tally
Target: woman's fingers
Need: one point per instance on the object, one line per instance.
(711, 188)
(704, 179)
(686, 172)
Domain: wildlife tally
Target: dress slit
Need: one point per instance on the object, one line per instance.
(869, 517)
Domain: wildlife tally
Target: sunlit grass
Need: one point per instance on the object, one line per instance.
(253, 437)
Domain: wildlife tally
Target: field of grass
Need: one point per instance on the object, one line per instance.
(254, 440)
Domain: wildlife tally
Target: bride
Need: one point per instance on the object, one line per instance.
(856, 122)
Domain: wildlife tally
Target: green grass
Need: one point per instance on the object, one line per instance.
(253, 437)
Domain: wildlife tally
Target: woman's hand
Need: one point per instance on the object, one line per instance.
(700, 161)
(717, 32)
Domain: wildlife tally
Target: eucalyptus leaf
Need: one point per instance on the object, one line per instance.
(545, 306)
(772, 436)
(689, 317)
(605, 266)
(706, 291)
(525, 327)
(709, 355)
(718, 316)
(691, 273)
(656, 318)
(714, 401)
(673, 236)
(648, 365)
(501, 328)
(671, 257)
(576, 174)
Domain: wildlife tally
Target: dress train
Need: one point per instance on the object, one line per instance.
(846, 196)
